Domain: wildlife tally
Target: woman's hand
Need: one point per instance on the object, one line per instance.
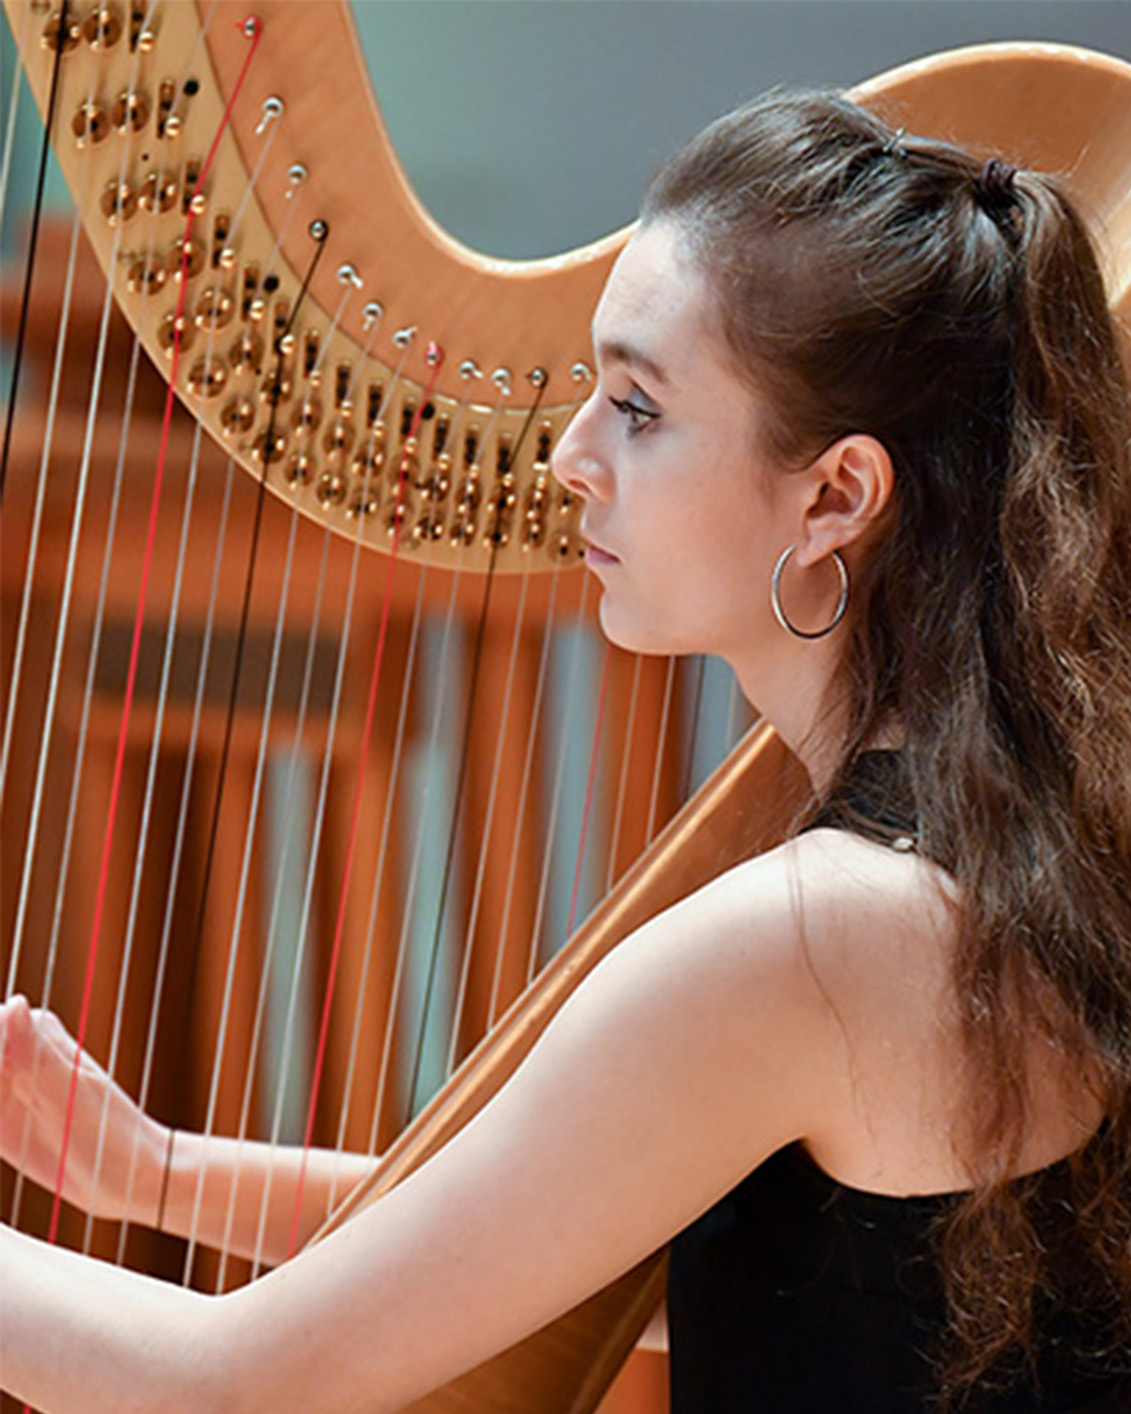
(115, 1154)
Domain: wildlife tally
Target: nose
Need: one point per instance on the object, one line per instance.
(577, 461)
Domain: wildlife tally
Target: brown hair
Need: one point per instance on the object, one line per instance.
(873, 283)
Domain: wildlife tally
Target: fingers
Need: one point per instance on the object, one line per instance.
(52, 1031)
(15, 1029)
(32, 1038)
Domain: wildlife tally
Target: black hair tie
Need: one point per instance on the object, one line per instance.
(994, 185)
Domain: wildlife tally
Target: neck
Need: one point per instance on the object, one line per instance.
(793, 689)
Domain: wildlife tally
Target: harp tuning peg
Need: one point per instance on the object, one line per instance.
(272, 109)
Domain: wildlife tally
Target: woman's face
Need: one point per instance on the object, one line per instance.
(682, 521)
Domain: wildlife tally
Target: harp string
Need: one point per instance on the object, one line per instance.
(374, 679)
(288, 813)
(570, 695)
(261, 756)
(387, 822)
(32, 830)
(523, 801)
(244, 618)
(63, 620)
(464, 757)
(179, 840)
(161, 703)
(622, 782)
(141, 851)
(125, 964)
(401, 1001)
(390, 1028)
(253, 33)
(693, 728)
(261, 761)
(292, 1010)
(10, 130)
(33, 240)
(583, 833)
(98, 622)
(501, 949)
(488, 823)
(303, 929)
(401, 1030)
(665, 723)
(367, 731)
(271, 933)
(84, 720)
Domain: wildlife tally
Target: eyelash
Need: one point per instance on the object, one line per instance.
(639, 419)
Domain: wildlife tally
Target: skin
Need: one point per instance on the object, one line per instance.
(804, 995)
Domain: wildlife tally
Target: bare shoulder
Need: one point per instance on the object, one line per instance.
(787, 967)
(877, 932)
(825, 911)
(869, 909)
(848, 945)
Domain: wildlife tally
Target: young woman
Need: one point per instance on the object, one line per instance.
(861, 428)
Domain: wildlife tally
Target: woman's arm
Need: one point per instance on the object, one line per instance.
(699, 1047)
(239, 1195)
(66, 1342)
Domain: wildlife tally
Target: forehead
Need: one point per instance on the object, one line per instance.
(657, 305)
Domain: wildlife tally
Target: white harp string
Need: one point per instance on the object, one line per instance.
(13, 106)
(622, 783)
(657, 770)
(303, 932)
(156, 735)
(181, 832)
(492, 796)
(387, 825)
(524, 789)
(267, 956)
(63, 621)
(537, 943)
(398, 1004)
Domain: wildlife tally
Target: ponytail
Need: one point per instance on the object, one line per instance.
(1047, 929)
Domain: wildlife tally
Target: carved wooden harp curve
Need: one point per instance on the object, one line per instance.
(348, 388)
(345, 391)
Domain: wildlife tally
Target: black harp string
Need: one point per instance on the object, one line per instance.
(33, 240)
(319, 232)
(693, 731)
(461, 773)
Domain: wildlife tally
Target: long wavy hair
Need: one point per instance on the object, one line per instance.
(872, 282)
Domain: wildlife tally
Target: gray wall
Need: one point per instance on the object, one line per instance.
(530, 126)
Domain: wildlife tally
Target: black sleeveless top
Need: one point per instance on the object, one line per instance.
(798, 1295)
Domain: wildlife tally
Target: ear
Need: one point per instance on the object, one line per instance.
(848, 489)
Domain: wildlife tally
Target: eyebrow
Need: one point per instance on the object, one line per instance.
(618, 351)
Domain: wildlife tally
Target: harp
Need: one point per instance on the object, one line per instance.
(395, 439)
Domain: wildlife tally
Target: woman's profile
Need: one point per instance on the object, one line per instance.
(861, 428)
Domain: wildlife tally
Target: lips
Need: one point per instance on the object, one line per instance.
(594, 554)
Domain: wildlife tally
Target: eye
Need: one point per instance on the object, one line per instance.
(639, 418)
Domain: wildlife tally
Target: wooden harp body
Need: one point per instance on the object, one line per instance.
(412, 417)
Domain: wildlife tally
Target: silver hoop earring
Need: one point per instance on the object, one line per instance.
(779, 612)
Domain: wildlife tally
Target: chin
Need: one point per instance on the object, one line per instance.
(634, 636)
